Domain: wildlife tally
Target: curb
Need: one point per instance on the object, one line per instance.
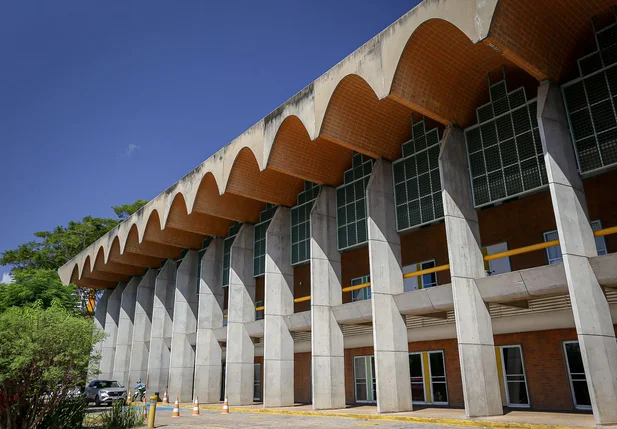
(390, 417)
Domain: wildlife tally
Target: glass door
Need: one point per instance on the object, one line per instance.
(416, 370)
(364, 379)
(515, 382)
(257, 382)
(439, 387)
(576, 372)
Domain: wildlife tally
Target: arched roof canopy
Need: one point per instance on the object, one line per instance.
(197, 223)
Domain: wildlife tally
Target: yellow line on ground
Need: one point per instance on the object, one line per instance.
(390, 417)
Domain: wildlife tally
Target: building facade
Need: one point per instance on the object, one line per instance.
(433, 221)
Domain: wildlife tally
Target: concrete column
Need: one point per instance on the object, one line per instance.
(240, 350)
(140, 349)
(327, 361)
(108, 349)
(474, 329)
(100, 314)
(124, 339)
(592, 316)
(182, 360)
(279, 302)
(162, 324)
(208, 355)
(389, 329)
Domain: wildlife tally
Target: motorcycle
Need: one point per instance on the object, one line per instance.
(140, 392)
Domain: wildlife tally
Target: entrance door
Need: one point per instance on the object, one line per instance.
(257, 382)
(364, 379)
(416, 372)
(439, 386)
(515, 382)
(576, 372)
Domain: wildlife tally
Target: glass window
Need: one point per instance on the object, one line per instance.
(514, 376)
(416, 372)
(257, 382)
(554, 253)
(259, 240)
(227, 243)
(259, 314)
(361, 294)
(420, 282)
(301, 224)
(364, 370)
(496, 266)
(576, 372)
(439, 386)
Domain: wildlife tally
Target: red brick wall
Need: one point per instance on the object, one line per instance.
(302, 287)
(354, 264)
(424, 244)
(602, 203)
(545, 367)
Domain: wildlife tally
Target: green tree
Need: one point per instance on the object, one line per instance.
(44, 354)
(126, 210)
(41, 285)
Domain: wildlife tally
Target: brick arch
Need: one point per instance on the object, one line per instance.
(169, 236)
(146, 248)
(358, 120)
(546, 37)
(198, 223)
(84, 280)
(294, 153)
(443, 75)
(89, 273)
(268, 186)
(227, 206)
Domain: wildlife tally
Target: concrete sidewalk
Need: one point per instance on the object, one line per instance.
(441, 416)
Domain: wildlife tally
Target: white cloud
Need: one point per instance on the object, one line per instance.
(131, 149)
(6, 278)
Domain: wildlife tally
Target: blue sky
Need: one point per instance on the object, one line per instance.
(106, 102)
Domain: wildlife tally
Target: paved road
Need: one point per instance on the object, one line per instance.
(215, 420)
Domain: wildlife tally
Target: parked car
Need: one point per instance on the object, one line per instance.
(104, 392)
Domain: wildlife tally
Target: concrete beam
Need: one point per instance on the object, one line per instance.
(592, 316)
(108, 349)
(100, 314)
(390, 341)
(328, 376)
(124, 341)
(474, 329)
(161, 330)
(208, 354)
(182, 360)
(279, 302)
(239, 364)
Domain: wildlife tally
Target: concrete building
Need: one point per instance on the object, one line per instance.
(432, 221)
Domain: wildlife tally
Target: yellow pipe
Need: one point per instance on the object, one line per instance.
(427, 271)
(303, 298)
(520, 250)
(605, 231)
(224, 316)
(259, 308)
(356, 287)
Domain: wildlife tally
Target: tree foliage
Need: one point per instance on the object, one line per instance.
(44, 354)
(126, 210)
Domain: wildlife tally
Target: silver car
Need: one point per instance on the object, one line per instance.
(103, 392)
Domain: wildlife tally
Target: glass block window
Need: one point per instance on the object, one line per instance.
(504, 149)
(351, 203)
(227, 243)
(417, 185)
(591, 103)
(301, 224)
(259, 241)
(204, 246)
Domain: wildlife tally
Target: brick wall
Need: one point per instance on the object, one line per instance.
(354, 264)
(302, 287)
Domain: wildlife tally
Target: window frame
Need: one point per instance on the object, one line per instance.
(596, 225)
(366, 292)
(420, 279)
(509, 404)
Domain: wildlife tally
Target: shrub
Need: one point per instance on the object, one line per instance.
(121, 417)
(68, 414)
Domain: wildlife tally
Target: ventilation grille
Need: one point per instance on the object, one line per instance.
(300, 337)
(591, 102)
(259, 241)
(354, 330)
(227, 243)
(351, 204)
(417, 185)
(504, 149)
(301, 224)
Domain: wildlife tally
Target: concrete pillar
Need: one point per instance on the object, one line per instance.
(140, 349)
(100, 314)
(182, 360)
(390, 341)
(592, 316)
(162, 324)
(124, 339)
(279, 302)
(108, 348)
(327, 361)
(239, 376)
(208, 355)
(474, 329)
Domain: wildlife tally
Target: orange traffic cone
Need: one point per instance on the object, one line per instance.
(196, 406)
(144, 408)
(165, 399)
(176, 412)
(225, 406)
